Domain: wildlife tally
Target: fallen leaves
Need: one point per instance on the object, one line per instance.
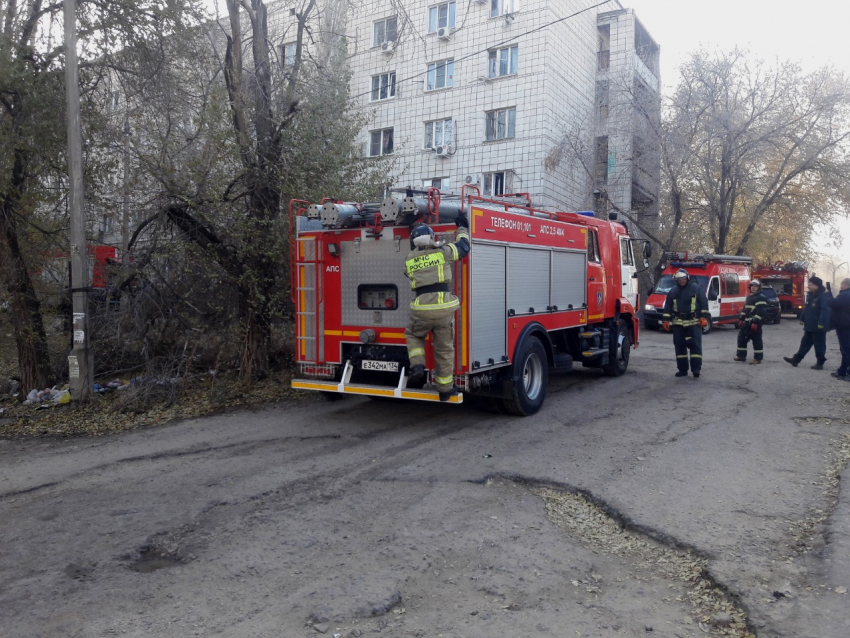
(198, 396)
(591, 525)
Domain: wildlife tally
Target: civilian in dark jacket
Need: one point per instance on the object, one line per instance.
(815, 320)
(840, 307)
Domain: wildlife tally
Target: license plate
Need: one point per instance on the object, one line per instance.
(382, 366)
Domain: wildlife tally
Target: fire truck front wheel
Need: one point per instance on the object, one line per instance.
(529, 379)
(708, 328)
(618, 361)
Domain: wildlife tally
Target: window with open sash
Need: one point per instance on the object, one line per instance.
(383, 86)
(503, 61)
(501, 124)
(381, 142)
(438, 133)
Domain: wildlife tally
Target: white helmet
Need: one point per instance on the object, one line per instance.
(681, 274)
(755, 282)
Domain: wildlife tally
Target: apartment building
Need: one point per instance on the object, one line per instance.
(481, 92)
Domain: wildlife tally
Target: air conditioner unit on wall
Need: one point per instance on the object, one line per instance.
(387, 47)
(444, 33)
(474, 179)
(442, 150)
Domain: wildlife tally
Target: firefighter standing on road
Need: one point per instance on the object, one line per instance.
(750, 323)
(687, 307)
(429, 268)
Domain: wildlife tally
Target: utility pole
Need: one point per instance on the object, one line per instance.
(80, 363)
(125, 218)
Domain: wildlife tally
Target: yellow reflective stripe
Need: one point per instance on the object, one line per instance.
(675, 305)
(761, 303)
(681, 356)
(416, 352)
(693, 304)
(696, 356)
(454, 251)
(434, 306)
(749, 307)
(444, 380)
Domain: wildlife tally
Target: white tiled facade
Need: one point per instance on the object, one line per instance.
(553, 91)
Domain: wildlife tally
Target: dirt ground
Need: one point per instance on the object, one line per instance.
(640, 506)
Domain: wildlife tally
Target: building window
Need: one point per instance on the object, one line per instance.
(440, 74)
(441, 15)
(496, 183)
(383, 86)
(287, 54)
(602, 99)
(438, 133)
(501, 124)
(381, 142)
(384, 31)
(601, 160)
(436, 182)
(501, 7)
(504, 61)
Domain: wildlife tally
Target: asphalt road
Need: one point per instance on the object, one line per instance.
(406, 519)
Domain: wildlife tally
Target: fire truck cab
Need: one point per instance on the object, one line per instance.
(789, 281)
(724, 278)
(539, 290)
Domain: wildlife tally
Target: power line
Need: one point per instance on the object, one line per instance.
(498, 44)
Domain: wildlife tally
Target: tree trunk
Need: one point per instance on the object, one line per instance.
(30, 337)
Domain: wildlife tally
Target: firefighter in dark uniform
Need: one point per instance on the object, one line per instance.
(429, 267)
(687, 308)
(750, 323)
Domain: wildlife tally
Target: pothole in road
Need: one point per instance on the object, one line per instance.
(153, 558)
(712, 610)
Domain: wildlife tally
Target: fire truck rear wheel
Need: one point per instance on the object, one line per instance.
(618, 361)
(531, 369)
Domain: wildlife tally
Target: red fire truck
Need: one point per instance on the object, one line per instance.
(725, 279)
(539, 290)
(789, 281)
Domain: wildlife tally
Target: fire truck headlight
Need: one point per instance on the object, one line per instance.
(649, 308)
(368, 336)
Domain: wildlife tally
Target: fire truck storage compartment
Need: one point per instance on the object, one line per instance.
(374, 262)
(519, 281)
(489, 310)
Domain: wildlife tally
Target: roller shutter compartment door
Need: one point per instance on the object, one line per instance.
(528, 280)
(569, 279)
(489, 322)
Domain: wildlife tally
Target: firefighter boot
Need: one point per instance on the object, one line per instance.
(416, 379)
(448, 394)
(818, 366)
(739, 359)
(755, 362)
(792, 360)
(682, 373)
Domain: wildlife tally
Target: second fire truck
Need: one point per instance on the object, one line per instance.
(539, 290)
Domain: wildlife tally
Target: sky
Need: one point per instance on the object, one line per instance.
(812, 34)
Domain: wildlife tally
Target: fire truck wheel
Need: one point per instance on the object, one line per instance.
(650, 325)
(708, 328)
(777, 318)
(618, 362)
(531, 369)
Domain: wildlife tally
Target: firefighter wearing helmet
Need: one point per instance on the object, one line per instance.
(687, 308)
(429, 267)
(750, 324)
